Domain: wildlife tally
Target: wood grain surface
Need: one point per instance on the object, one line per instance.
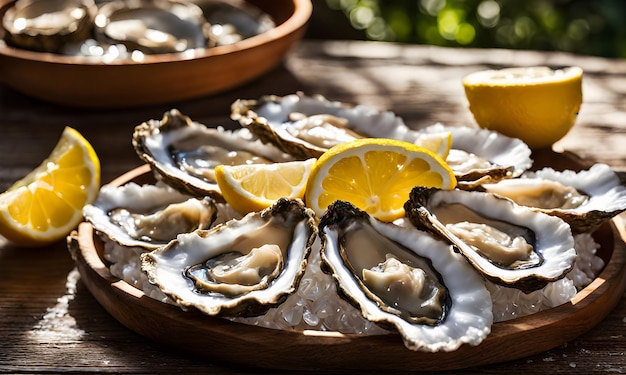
(51, 323)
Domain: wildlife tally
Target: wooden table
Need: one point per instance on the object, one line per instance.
(51, 323)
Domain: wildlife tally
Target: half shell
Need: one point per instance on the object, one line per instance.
(183, 153)
(152, 26)
(233, 21)
(480, 156)
(509, 244)
(147, 216)
(585, 199)
(48, 25)
(240, 268)
(441, 302)
(307, 126)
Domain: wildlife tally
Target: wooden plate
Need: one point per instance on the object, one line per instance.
(239, 344)
(164, 78)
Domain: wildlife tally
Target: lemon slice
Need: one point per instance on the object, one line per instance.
(47, 204)
(376, 175)
(438, 142)
(538, 105)
(253, 187)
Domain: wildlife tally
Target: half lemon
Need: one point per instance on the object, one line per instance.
(376, 175)
(538, 105)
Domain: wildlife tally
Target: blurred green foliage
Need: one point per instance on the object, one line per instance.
(593, 27)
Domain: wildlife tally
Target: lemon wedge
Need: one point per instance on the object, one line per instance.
(376, 175)
(47, 204)
(253, 187)
(538, 105)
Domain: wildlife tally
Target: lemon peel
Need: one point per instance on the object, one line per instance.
(538, 105)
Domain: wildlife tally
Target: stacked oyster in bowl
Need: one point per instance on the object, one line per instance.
(121, 29)
(129, 53)
(460, 262)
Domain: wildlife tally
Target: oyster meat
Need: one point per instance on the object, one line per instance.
(405, 279)
(240, 268)
(147, 216)
(509, 244)
(585, 199)
(184, 153)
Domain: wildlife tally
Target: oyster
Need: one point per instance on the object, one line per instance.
(240, 268)
(480, 156)
(509, 244)
(147, 216)
(584, 199)
(307, 126)
(232, 22)
(405, 279)
(183, 153)
(48, 25)
(152, 26)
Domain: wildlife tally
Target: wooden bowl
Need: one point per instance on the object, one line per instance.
(221, 340)
(164, 78)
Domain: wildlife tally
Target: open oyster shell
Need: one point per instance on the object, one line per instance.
(183, 153)
(480, 156)
(307, 126)
(153, 26)
(232, 21)
(147, 216)
(439, 304)
(240, 268)
(585, 199)
(48, 25)
(509, 244)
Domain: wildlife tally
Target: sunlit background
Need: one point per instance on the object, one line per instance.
(593, 27)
